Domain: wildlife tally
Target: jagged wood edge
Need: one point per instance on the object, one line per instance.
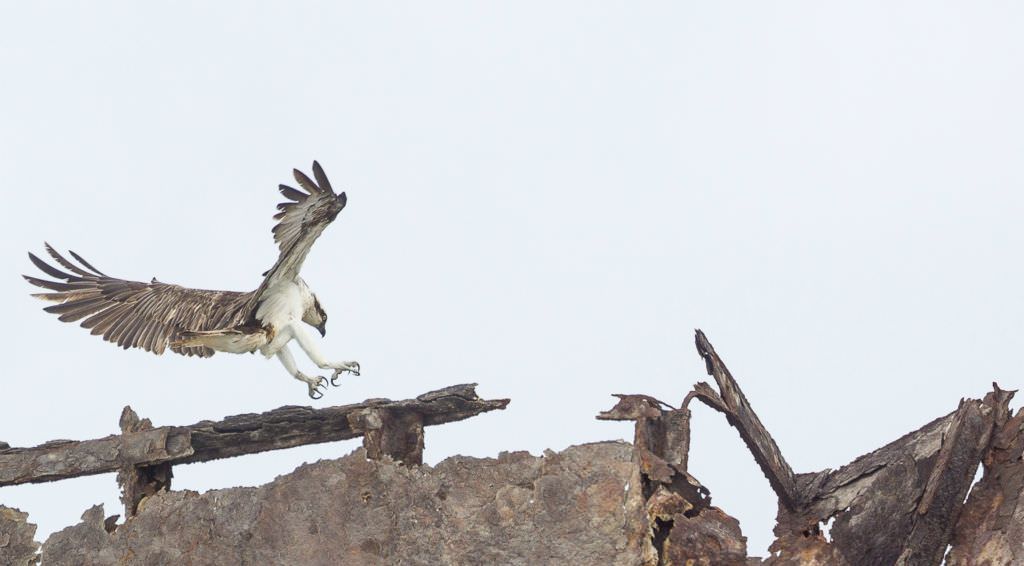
(731, 402)
(285, 427)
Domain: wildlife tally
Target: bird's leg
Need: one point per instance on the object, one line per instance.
(309, 346)
(314, 383)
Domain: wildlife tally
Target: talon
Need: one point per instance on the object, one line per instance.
(334, 378)
(315, 393)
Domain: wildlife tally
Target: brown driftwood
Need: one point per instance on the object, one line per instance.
(285, 427)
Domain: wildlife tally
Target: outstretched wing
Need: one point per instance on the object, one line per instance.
(301, 220)
(132, 314)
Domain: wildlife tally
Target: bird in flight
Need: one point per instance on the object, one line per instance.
(156, 316)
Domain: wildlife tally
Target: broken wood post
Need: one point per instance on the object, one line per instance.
(681, 526)
(395, 434)
(660, 440)
(731, 402)
(138, 481)
(285, 427)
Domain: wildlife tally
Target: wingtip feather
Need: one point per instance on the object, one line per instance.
(321, 177)
(49, 269)
(305, 182)
(86, 263)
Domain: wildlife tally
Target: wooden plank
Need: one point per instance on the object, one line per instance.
(285, 427)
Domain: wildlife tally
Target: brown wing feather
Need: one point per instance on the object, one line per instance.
(301, 220)
(132, 314)
(306, 213)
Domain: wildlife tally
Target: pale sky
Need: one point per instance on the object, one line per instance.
(544, 198)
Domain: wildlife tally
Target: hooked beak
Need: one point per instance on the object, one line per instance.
(323, 329)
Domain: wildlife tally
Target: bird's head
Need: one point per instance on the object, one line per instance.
(316, 317)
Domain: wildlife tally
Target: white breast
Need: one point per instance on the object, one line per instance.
(283, 303)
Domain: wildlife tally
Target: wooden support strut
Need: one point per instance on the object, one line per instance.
(138, 481)
(731, 402)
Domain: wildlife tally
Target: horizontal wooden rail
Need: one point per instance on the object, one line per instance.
(286, 427)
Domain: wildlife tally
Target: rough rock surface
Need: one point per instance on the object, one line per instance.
(17, 544)
(560, 508)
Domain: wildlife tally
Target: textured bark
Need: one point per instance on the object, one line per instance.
(730, 401)
(139, 481)
(296, 426)
(286, 427)
(711, 538)
(560, 508)
(679, 526)
(605, 503)
(17, 538)
(990, 531)
(896, 505)
(396, 434)
(62, 459)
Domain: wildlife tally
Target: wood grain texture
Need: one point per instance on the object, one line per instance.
(285, 427)
(730, 401)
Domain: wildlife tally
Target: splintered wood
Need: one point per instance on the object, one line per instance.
(897, 505)
(143, 455)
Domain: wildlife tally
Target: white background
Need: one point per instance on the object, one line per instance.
(545, 198)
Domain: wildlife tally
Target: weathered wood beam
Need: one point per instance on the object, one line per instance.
(730, 401)
(62, 459)
(680, 526)
(898, 504)
(285, 427)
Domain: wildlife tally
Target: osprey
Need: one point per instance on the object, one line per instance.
(156, 316)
